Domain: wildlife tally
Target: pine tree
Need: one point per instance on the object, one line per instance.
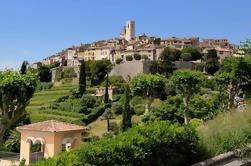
(82, 78)
(126, 121)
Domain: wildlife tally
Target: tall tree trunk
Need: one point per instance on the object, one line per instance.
(3, 129)
(186, 112)
(231, 94)
(149, 103)
(108, 125)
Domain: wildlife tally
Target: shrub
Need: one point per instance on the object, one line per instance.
(194, 52)
(186, 56)
(145, 57)
(138, 105)
(94, 114)
(59, 74)
(41, 86)
(114, 127)
(159, 143)
(117, 108)
(88, 100)
(170, 110)
(69, 73)
(61, 99)
(71, 105)
(195, 122)
(203, 107)
(129, 58)
(139, 109)
(137, 57)
(119, 60)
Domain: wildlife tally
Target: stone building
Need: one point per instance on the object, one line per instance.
(180, 43)
(128, 32)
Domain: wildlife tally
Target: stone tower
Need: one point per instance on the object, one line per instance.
(128, 31)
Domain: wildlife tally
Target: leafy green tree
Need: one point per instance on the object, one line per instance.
(234, 75)
(194, 52)
(16, 91)
(24, 67)
(186, 82)
(170, 54)
(165, 63)
(44, 73)
(13, 141)
(168, 111)
(212, 63)
(96, 71)
(186, 56)
(246, 46)
(126, 120)
(82, 78)
(148, 86)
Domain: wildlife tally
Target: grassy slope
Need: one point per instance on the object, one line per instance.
(38, 111)
(228, 131)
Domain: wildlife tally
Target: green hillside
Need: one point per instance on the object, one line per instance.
(39, 110)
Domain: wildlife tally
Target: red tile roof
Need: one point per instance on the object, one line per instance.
(51, 126)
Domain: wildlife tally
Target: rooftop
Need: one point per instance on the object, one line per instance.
(51, 126)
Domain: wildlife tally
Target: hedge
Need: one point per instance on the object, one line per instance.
(94, 115)
(157, 143)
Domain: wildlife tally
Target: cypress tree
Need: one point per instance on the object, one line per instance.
(106, 100)
(23, 69)
(82, 78)
(126, 115)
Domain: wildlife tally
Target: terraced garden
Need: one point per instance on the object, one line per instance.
(39, 110)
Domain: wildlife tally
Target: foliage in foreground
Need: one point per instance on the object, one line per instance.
(158, 143)
(16, 91)
(228, 131)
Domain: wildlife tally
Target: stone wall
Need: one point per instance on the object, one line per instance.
(5, 162)
(131, 68)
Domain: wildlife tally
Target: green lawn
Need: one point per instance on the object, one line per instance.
(39, 111)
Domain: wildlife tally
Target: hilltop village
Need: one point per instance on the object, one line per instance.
(120, 50)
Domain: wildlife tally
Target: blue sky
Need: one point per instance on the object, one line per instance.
(34, 29)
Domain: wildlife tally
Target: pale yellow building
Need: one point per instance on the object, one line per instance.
(51, 137)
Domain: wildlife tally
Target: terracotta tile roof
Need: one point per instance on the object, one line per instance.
(51, 126)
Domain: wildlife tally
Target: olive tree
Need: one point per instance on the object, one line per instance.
(186, 83)
(16, 91)
(148, 86)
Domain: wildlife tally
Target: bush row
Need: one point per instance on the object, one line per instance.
(158, 143)
(94, 114)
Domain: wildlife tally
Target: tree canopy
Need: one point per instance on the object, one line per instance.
(148, 86)
(195, 53)
(186, 82)
(96, 70)
(212, 63)
(235, 74)
(16, 91)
